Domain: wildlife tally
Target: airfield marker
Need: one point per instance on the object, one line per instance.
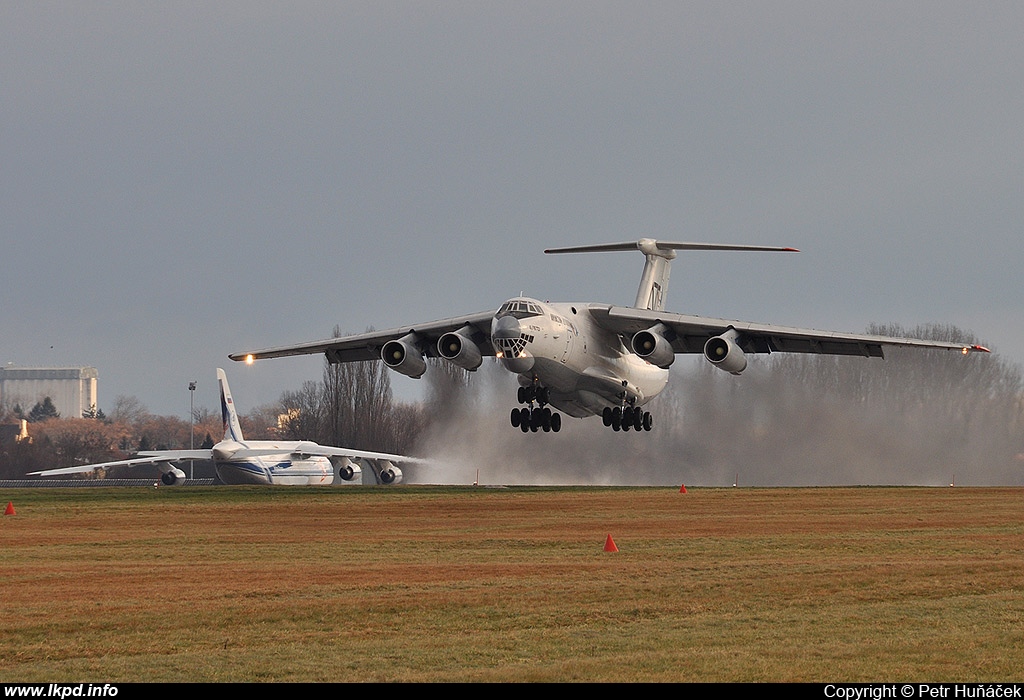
(10, 508)
(682, 489)
(609, 545)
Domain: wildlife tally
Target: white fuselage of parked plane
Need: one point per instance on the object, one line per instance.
(284, 468)
(579, 362)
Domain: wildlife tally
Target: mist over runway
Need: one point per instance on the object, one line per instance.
(915, 418)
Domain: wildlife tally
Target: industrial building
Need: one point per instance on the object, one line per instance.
(71, 389)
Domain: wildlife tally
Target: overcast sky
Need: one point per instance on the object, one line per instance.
(185, 180)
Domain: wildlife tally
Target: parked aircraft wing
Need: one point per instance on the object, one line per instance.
(312, 449)
(158, 458)
(367, 346)
(691, 333)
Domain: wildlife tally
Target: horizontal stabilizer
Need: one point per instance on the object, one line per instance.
(647, 243)
(660, 254)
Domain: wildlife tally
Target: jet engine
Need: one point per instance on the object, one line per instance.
(402, 356)
(389, 473)
(459, 349)
(172, 477)
(347, 470)
(653, 346)
(724, 354)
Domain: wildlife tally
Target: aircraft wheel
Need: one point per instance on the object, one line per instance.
(648, 422)
(556, 422)
(638, 420)
(536, 419)
(606, 416)
(521, 394)
(515, 417)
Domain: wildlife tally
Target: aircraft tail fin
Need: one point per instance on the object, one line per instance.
(660, 254)
(232, 430)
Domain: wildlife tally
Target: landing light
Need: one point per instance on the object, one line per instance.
(249, 359)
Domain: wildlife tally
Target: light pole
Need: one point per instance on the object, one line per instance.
(191, 427)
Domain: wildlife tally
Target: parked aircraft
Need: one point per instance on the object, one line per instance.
(239, 461)
(592, 359)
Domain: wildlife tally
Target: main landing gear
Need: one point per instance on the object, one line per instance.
(534, 418)
(627, 418)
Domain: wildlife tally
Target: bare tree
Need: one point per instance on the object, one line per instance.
(128, 409)
(303, 413)
(358, 405)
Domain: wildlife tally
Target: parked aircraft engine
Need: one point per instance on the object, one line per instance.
(347, 470)
(653, 346)
(389, 473)
(402, 356)
(459, 349)
(724, 354)
(172, 477)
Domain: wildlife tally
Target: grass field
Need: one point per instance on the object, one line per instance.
(462, 584)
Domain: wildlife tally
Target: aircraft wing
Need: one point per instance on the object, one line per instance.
(690, 333)
(367, 346)
(160, 459)
(312, 449)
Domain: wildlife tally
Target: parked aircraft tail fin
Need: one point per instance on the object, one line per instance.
(232, 430)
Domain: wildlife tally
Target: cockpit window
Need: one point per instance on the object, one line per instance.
(519, 308)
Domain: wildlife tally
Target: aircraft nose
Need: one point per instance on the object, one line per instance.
(510, 344)
(505, 328)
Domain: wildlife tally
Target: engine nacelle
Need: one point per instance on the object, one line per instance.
(402, 356)
(347, 470)
(172, 477)
(724, 354)
(459, 349)
(653, 346)
(389, 473)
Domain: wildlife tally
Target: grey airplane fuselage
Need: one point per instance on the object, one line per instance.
(584, 367)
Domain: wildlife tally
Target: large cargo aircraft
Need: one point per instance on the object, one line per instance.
(241, 461)
(592, 359)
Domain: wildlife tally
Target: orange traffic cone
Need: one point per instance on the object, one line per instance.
(682, 489)
(609, 545)
(10, 509)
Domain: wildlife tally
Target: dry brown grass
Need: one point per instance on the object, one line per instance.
(442, 584)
